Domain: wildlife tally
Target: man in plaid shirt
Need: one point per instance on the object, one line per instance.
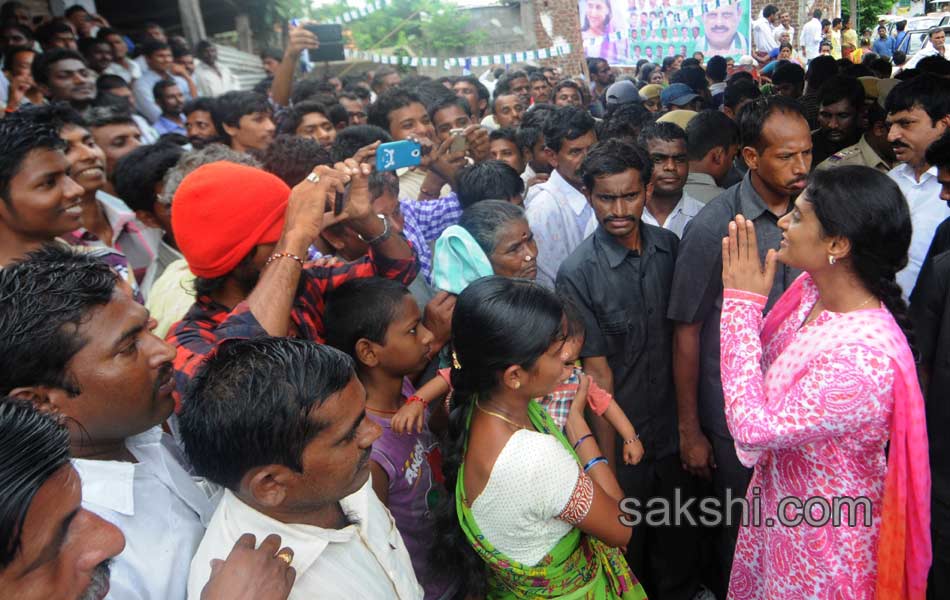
(244, 238)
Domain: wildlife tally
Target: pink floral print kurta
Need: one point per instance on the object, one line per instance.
(822, 434)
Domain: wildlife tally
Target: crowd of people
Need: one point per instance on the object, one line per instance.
(237, 360)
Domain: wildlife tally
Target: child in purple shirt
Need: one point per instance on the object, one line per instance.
(377, 322)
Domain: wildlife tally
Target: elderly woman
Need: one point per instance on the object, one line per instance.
(492, 238)
(822, 399)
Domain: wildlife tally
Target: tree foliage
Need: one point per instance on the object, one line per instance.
(868, 11)
(422, 27)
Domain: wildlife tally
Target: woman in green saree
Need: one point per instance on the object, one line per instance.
(529, 517)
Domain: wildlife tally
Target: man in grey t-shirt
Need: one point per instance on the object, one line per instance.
(775, 142)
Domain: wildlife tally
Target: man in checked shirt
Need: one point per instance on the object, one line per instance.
(243, 233)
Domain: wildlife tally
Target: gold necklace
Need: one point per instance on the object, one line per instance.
(499, 415)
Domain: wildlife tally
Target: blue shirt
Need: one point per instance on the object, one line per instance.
(143, 88)
(883, 47)
(165, 125)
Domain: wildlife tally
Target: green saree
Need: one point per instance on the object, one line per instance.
(578, 567)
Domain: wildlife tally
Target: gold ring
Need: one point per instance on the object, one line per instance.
(313, 178)
(286, 555)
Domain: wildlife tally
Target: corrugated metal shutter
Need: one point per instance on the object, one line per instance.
(245, 66)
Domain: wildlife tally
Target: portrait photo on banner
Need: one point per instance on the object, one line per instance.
(625, 31)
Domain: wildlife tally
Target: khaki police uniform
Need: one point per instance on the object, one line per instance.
(858, 154)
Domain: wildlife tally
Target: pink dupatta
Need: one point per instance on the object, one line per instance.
(904, 550)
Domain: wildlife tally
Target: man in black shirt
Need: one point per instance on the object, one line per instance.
(930, 313)
(776, 145)
(618, 280)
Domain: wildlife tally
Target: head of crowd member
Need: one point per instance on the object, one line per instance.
(712, 142)
(771, 13)
(87, 161)
(840, 110)
(531, 142)
(139, 180)
(569, 132)
(158, 56)
(825, 48)
(62, 75)
(695, 79)
(625, 122)
(678, 96)
(507, 108)
(385, 78)
(292, 158)
(206, 52)
(503, 145)
(169, 98)
(600, 72)
(270, 60)
(449, 113)
(616, 176)
(77, 16)
(540, 88)
(112, 90)
(115, 132)
(776, 145)
(354, 107)
(500, 230)
(788, 80)
(402, 114)
(938, 155)
(665, 145)
(716, 69)
(311, 120)
(650, 97)
(737, 95)
(56, 34)
(181, 55)
(918, 113)
(198, 121)
(489, 179)
(567, 93)
(96, 52)
(937, 38)
(153, 31)
(244, 120)
(83, 349)
(16, 12)
(351, 139)
(52, 546)
(38, 199)
(671, 66)
(819, 70)
(18, 61)
(15, 35)
(116, 42)
(877, 130)
(517, 83)
(294, 466)
(474, 92)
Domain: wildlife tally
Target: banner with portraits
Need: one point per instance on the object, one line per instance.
(625, 31)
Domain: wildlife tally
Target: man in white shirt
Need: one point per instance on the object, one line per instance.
(211, 78)
(935, 46)
(811, 36)
(83, 348)
(762, 37)
(917, 116)
(784, 26)
(558, 213)
(122, 65)
(281, 423)
(667, 205)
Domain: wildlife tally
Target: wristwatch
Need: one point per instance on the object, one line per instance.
(382, 237)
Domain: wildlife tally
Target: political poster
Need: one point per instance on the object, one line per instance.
(625, 31)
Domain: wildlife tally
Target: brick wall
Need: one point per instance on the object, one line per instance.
(563, 19)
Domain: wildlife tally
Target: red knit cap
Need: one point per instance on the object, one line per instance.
(222, 210)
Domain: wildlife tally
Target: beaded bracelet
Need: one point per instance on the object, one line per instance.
(595, 461)
(581, 439)
(417, 398)
(277, 255)
(635, 438)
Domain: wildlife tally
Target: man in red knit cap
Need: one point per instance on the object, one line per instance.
(243, 233)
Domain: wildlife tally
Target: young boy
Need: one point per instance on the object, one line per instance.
(503, 145)
(377, 322)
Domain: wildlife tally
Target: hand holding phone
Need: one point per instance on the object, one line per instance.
(397, 155)
(459, 141)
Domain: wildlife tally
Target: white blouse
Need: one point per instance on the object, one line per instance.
(529, 486)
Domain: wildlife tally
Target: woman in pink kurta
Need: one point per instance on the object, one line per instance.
(822, 399)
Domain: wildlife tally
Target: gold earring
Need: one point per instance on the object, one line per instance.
(832, 260)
